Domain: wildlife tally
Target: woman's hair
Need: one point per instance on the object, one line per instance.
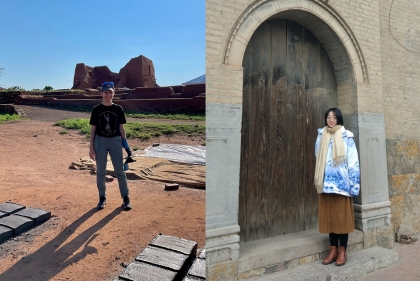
(337, 113)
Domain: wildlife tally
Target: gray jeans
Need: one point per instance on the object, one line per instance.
(113, 145)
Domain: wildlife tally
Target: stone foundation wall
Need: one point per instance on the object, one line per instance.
(403, 159)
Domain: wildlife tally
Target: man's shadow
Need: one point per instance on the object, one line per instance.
(48, 261)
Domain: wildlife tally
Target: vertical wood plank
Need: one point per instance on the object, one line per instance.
(312, 73)
(258, 223)
(278, 130)
(294, 118)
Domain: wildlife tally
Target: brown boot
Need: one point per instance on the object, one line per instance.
(342, 256)
(332, 255)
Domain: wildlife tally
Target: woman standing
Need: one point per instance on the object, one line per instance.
(337, 179)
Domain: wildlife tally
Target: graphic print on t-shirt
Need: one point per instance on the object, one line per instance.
(108, 123)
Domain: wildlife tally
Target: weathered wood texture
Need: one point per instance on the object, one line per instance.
(289, 83)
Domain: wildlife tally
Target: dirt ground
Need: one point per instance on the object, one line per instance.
(80, 242)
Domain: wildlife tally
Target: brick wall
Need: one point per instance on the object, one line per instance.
(400, 47)
(401, 67)
(224, 83)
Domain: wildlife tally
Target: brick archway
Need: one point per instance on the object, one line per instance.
(315, 15)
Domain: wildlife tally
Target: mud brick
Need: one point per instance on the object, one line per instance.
(17, 223)
(10, 208)
(136, 271)
(5, 233)
(39, 216)
(202, 254)
(198, 269)
(109, 178)
(3, 214)
(192, 278)
(171, 186)
(163, 258)
(176, 244)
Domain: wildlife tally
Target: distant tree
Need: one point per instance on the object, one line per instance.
(48, 88)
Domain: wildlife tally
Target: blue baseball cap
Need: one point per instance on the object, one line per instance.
(107, 86)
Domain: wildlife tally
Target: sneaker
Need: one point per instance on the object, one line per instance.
(102, 202)
(126, 203)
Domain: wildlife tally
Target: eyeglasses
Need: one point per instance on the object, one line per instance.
(332, 118)
(108, 84)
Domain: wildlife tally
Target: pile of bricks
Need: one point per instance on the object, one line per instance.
(15, 219)
(167, 258)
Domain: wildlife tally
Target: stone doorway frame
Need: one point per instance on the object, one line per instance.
(372, 206)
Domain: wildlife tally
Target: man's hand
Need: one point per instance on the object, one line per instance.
(92, 154)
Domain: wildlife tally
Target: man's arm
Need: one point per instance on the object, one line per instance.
(92, 153)
(122, 131)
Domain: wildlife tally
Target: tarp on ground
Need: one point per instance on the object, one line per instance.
(178, 153)
(180, 164)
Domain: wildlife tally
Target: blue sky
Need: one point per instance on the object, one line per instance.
(42, 41)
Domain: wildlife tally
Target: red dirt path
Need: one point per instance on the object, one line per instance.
(79, 242)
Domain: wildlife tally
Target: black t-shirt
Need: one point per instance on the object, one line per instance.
(107, 120)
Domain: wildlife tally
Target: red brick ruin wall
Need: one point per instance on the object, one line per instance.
(138, 72)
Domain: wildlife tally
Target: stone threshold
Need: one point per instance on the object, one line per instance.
(274, 254)
(358, 264)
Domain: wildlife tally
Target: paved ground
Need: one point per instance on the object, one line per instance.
(406, 269)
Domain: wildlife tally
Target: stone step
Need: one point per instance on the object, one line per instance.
(359, 263)
(273, 254)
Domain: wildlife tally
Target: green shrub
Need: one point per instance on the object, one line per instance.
(143, 131)
(8, 117)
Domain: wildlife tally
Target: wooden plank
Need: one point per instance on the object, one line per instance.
(294, 117)
(278, 131)
(257, 197)
(313, 111)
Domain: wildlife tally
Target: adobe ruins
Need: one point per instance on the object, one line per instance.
(138, 72)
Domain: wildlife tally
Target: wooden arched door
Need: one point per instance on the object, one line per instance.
(288, 85)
